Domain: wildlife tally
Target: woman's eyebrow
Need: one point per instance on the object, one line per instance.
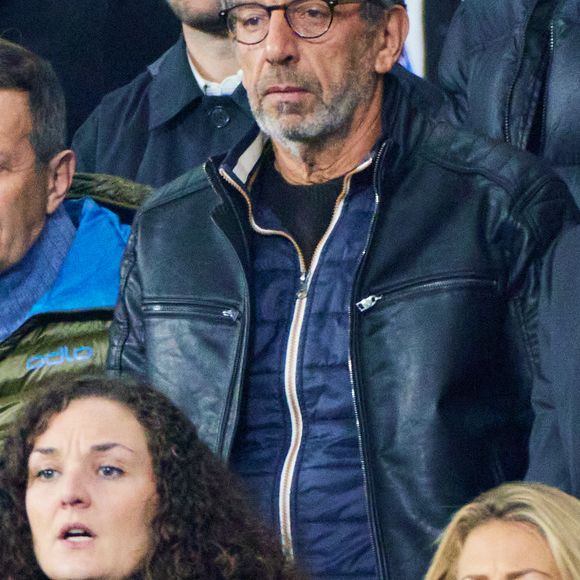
(511, 576)
(520, 573)
(44, 450)
(99, 447)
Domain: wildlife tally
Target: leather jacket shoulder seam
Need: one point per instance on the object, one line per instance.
(192, 185)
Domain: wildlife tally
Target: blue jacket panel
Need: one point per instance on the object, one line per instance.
(326, 499)
(555, 441)
(89, 277)
(66, 332)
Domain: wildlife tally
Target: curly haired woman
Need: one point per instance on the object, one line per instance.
(105, 478)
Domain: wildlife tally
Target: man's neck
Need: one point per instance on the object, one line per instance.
(307, 163)
(213, 56)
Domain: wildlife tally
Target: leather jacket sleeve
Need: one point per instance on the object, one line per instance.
(543, 213)
(126, 338)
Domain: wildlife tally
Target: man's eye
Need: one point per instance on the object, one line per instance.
(110, 472)
(314, 13)
(252, 22)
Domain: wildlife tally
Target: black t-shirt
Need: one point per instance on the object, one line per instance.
(304, 211)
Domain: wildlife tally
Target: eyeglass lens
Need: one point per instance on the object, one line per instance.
(249, 23)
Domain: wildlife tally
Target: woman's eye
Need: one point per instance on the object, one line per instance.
(47, 473)
(110, 472)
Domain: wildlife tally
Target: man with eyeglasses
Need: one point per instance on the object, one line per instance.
(345, 303)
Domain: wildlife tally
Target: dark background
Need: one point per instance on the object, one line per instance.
(94, 45)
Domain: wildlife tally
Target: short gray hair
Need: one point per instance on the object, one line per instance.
(22, 70)
(373, 11)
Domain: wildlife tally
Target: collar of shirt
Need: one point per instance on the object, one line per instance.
(212, 89)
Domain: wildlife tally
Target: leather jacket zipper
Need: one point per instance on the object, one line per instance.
(190, 308)
(413, 288)
(239, 363)
(374, 534)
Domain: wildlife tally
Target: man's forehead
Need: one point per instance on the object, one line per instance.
(15, 114)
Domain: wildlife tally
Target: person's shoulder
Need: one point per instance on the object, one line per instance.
(191, 184)
(467, 152)
(476, 25)
(126, 100)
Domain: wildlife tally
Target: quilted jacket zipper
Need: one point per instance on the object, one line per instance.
(551, 45)
(292, 350)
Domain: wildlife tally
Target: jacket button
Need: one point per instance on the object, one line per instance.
(220, 117)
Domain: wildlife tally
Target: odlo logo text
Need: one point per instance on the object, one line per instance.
(59, 357)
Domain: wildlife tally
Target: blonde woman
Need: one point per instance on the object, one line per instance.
(523, 531)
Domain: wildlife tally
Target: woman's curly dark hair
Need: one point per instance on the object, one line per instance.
(203, 528)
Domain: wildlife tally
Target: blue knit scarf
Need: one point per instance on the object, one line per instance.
(23, 284)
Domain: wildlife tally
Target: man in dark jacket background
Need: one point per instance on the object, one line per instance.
(512, 70)
(186, 106)
(345, 303)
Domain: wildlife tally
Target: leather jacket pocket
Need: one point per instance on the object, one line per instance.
(426, 286)
(190, 308)
(194, 352)
(440, 382)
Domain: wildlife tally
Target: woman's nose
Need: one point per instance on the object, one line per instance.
(75, 490)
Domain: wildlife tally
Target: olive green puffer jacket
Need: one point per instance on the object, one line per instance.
(67, 330)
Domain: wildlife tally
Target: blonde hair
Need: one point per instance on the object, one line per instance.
(553, 513)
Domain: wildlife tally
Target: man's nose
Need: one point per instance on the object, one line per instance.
(281, 44)
(74, 490)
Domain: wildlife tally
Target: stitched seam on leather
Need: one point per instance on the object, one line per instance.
(117, 347)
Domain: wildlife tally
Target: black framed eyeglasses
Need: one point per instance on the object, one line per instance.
(249, 23)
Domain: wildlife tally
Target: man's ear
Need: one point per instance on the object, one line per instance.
(393, 33)
(61, 169)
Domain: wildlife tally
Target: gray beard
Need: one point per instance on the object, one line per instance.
(326, 124)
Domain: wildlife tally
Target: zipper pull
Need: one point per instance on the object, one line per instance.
(231, 314)
(304, 283)
(368, 302)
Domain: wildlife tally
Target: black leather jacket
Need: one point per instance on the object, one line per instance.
(512, 70)
(443, 328)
